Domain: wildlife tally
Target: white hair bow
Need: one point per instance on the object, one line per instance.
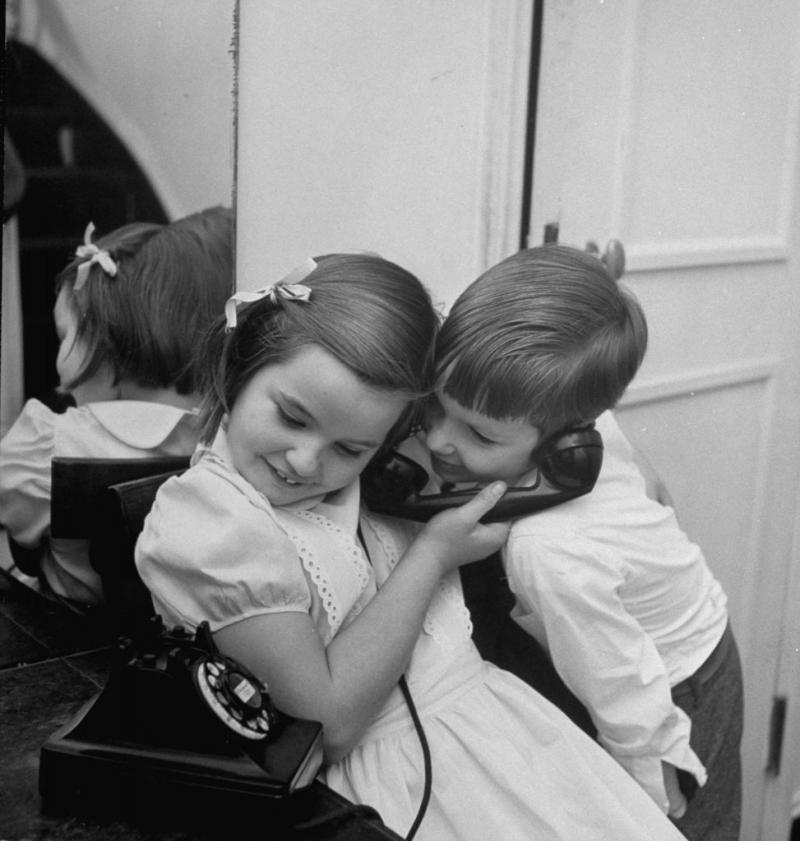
(93, 255)
(288, 288)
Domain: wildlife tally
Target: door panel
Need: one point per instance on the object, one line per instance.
(673, 127)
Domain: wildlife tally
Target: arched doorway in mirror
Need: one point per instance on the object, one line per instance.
(76, 170)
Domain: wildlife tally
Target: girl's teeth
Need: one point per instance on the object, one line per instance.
(286, 478)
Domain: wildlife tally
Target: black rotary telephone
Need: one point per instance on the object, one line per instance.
(568, 466)
(180, 729)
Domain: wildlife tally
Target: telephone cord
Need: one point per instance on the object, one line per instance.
(426, 758)
(423, 739)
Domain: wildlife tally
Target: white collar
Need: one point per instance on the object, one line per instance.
(139, 423)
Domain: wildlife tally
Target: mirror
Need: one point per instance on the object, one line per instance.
(117, 112)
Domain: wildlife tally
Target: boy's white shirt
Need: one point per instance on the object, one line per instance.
(611, 586)
(569, 589)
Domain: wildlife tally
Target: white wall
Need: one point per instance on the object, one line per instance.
(363, 126)
(161, 72)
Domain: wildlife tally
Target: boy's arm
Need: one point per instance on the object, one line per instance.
(677, 800)
(618, 446)
(655, 487)
(568, 597)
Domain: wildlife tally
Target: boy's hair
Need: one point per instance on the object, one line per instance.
(546, 335)
(147, 321)
(370, 314)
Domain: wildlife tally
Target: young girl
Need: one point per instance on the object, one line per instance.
(609, 584)
(129, 313)
(264, 538)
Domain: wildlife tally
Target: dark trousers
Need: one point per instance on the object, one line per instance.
(713, 700)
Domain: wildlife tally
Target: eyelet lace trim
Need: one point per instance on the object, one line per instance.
(318, 573)
(351, 547)
(448, 618)
(386, 540)
(321, 582)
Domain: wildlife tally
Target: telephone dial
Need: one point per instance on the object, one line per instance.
(568, 466)
(179, 730)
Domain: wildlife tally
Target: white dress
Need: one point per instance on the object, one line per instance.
(506, 763)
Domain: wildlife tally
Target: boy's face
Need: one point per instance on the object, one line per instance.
(467, 446)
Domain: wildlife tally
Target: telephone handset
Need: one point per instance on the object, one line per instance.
(569, 464)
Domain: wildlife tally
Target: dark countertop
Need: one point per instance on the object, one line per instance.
(51, 663)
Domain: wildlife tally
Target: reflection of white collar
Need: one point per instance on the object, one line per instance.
(139, 423)
(339, 506)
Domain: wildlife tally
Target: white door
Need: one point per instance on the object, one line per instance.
(674, 128)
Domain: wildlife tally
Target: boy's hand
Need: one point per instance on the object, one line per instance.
(457, 536)
(677, 801)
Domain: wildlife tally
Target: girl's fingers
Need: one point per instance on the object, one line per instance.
(483, 501)
(497, 532)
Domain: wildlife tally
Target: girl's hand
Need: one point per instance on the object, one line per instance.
(456, 537)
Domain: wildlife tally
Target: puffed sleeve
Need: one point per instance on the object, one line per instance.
(25, 455)
(210, 552)
(568, 596)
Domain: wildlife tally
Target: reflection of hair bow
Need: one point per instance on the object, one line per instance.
(92, 255)
(288, 288)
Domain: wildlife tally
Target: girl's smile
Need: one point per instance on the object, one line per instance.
(307, 426)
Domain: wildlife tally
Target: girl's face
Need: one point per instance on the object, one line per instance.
(307, 426)
(72, 356)
(467, 446)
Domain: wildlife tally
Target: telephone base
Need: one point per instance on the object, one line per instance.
(81, 772)
(149, 743)
(79, 776)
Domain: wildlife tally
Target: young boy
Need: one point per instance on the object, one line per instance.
(608, 583)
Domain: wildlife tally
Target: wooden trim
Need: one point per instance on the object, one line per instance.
(648, 257)
(727, 376)
(504, 130)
